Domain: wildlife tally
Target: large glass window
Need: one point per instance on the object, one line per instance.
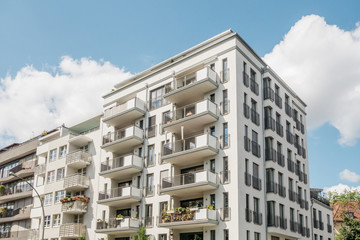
(52, 155)
(62, 151)
(47, 221)
(48, 199)
(59, 195)
(156, 97)
(51, 176)
(56, 220)
(60, 174)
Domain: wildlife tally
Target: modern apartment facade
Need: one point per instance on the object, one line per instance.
(209, 144)
(15, 194)
(322, 217)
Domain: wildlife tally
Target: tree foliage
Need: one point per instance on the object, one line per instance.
(344, 197)
(141, 234)
(350, 230)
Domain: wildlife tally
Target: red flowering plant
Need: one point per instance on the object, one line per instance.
(75, 198)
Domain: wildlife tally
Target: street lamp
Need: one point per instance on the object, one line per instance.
(41, 202)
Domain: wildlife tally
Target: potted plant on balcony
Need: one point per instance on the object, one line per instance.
(119, 217)
(194, 208)
(2, 188)
(210, 207)
(170, 211)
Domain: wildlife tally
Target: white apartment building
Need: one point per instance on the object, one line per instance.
(209, 144)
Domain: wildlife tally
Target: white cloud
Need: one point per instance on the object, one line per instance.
(321, 63)
(340, 188)
(349, 176)
(35, 100)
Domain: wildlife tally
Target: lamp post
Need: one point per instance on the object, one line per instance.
(41, 202)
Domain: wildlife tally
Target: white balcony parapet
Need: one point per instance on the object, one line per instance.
(128, 164)
(115, 225)
(78, 157)
(116, 196)
(77, 181)
(199, 216)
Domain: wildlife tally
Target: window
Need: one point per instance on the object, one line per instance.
(156, 97)
(247, 235)
(59, 195)
(212, 165)
(47, 221)
(51, 176)
(256, 236)
(60, 174)
(226, 210)
(151, 127)
(56, 220)
(212, 200)
(225, 175)
(225, 72)
(212, 97)
(225, 102)
(162, 236)
(48, 199)
(52, 155)
(212, 234)
(78, 218)
(148, 215)
(226, 140)
(85, 148)
(212, 131)
(226, 234)
(151, 155)
(212, 66)
(150, 184)
(62, 151)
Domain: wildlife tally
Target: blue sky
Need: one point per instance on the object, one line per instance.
(135, 35)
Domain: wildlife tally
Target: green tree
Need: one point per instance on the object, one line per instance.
(350, 230)
(141, 234)
(344, 197)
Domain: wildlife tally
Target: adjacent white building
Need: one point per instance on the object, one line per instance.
(209, 144)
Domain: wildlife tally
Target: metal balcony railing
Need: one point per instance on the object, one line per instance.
(119, 162)
(273, 221)
(225, 214)
(255, 117)
(278, 100)
(270, 123)
(247, 143)
(288, 109)
(247, 179)
(257, 218)
(255, 148)
(77, 180)
(246, 110)
(225, 107)
(329, 228)
(282, 190)
(280, 158)
(151, 131)
(248, 215)
(292, 195)
(120, 192)
(254, 86)
(283, 223)
(291, 165)
(78, 156)
(256, 182)
(72, 230)
(293, 226)
(270, 154)
(225, 177)
(271, 187)
(320, 198)
(289, 137)
(188, 178)
(246, 79)
(279, 129)
(269, 93)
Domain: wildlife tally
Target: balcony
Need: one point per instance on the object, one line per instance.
(270, 123)
(189, 184)
(79, 140)
(225, 214)
(118, 226)
(255, 148)
(292, 195)
(256, 182)
(254, 86)
(291, 165)
(72, 230)
(23, 234)
(76, 182)
(189, 218)
(272, 221)
(121, 167)
(282, 190)
(120, 196)
(248, 215)
(11, 194)
(257, 217)
(289, 137)
(8, 215)
(247, 144)
(293, 226)
(283, 223)
(40, 170)
(246, 110)
(255, 117)
(279, 129)
(23, 170)
(190, 87)
(78, 159)
(270, 154)
(320, 198)
(278, 100)
(190, 150)
(74, 207)
(269, 93)
(246, 79)
(280, 158)
(123, 140)
(247, 179)
(288, 109)
(271, 187)
(191, 117)
(124, 114)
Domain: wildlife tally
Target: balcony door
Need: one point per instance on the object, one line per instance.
(188, 174)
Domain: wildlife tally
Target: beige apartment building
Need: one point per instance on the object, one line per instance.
(209, 144)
